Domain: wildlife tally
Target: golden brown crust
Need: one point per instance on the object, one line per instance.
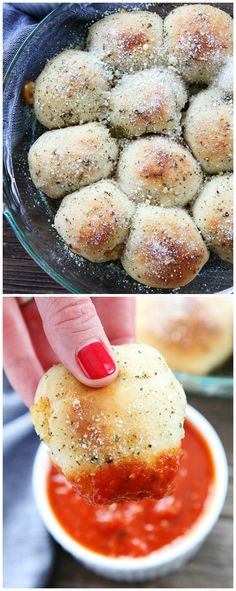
(159, 171)
(41, 415)
(127, 40)
(208, 130)
(198, 38)
(71, 89)
(95, 221)
(148, 101)
(164, 165)
(213, 214)
(164, 249)
(63, 160)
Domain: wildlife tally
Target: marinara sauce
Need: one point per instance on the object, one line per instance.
(136, 528)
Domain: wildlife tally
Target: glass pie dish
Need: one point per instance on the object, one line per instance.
(28, 211)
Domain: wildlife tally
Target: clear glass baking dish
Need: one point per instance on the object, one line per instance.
(212, 385)
(28, 211)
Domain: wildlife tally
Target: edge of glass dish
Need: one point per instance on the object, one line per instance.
(7, 213)
(219, 386)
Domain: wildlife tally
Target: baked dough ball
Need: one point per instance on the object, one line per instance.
(122, 441)
(147, 102)
(160, 171)
(208, 130)
(127, 41)
(213, 215)
(164, 248)
(198, 39)
(193, 334)
(225, 79)
(64, 160)
(71, 89)
(94, 221)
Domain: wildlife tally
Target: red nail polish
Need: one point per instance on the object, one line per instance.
(95, 361)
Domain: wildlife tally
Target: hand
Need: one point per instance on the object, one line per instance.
(76, 331)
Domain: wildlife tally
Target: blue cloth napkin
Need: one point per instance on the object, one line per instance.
(18, 22)
(27, 547)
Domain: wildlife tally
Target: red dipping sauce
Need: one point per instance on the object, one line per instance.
(137, 528)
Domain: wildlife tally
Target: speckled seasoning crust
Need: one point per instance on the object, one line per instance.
(95, 221)
(164, 248)
(63, 160)
(134, 108)
(197, 40)
(147, 102)
(158, 171)
(138, 528)
(208, 130)
(122, 441)
(213, 214)
(72, 89)
(127, 41)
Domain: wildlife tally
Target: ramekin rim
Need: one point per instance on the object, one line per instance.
(170, 552)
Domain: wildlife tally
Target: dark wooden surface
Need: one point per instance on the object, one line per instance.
(212, 566)
(20, 273)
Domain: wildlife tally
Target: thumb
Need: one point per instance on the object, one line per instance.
(76, 335)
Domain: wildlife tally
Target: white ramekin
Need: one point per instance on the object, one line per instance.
(156, 564)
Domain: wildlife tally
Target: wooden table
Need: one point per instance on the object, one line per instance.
(20, 273)
(212, 566)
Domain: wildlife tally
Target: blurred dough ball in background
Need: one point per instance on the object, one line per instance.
(147, 102)
(71, 89)
(213, 215)
(194, 334)
(198, 39)
(127, 41)
(208, 130)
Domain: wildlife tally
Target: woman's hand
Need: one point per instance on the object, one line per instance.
(76, 331)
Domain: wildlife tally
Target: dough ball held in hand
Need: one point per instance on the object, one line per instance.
(71, 89)
(94, 221)
(63, 160)
(120, 442)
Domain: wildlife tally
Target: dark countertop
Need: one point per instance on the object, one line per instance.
(212, 566)
(20, 273)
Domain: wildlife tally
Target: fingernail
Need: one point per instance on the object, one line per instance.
(95, 361)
